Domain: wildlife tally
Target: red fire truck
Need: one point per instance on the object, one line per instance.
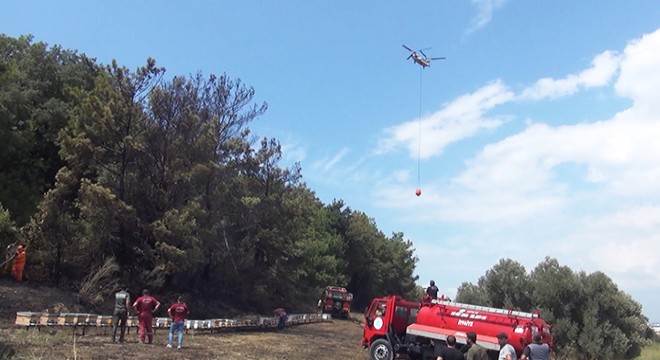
(398, 326)
(336, 301)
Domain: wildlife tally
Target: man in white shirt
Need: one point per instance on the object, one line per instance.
(507, 352)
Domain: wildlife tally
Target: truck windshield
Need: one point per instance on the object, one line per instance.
(378, 309)
(337, 296)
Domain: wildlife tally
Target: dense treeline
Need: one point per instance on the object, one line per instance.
(113, 175)
(592, 319)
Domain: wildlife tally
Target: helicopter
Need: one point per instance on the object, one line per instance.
(422, 59)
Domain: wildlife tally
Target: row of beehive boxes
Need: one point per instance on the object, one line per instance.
(81, 319)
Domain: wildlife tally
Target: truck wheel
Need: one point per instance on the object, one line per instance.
(381, 350)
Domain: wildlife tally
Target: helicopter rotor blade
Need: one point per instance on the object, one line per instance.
(423, 53)
(407, 48)
(440, 58)
(409, 56)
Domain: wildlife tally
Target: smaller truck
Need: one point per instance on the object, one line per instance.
(336, 301)
(396, 326)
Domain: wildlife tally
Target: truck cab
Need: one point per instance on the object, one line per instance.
(386, 321)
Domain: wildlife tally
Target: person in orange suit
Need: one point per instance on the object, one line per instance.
(19, 263)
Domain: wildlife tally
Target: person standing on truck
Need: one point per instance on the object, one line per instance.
(449, 352)
(432, 290)
(146, 306)
(507, 352)
(536, 350)
(119, 316)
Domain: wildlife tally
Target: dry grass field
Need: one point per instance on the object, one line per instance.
(337, 340)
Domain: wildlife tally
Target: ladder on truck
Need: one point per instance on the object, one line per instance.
(511, 313)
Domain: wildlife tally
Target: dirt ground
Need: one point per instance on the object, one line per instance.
(28, 296)
(334, 340)
(338, 340)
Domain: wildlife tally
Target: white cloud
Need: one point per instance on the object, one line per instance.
(611, 209)
(519, 176)
(327, 165)
(585, 193)
(337, 169)
(401, 176)
(335, 159)
(485, 10)
(640, 73)
(292, 152)
(625, 240)
(603, 68)
(461, 119)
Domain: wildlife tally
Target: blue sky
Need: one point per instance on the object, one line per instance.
(538, 132)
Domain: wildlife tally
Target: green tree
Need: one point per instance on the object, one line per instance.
(375, 264)
(8, 230)
(365, 264)
(319, 251)
(37, 83)
(612, 324)
(100, 146)
(591, 318)
(52, 230)
(398, 266)
(472, 294)
(558, 293)
(162, 183)
(507, 285)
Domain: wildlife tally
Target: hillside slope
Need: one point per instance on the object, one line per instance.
(27, 296)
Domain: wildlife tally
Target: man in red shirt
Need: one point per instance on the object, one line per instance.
(146, 306)
(178, 312)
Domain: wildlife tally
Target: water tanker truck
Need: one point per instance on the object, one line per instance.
(336, 301)
(396, 326)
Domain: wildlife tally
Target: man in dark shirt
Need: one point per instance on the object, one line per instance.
(432, 290)
(537, 350)
(122, 304)
(450, 352)
(475, 351)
